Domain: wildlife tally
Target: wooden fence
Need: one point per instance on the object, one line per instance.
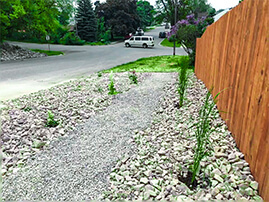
(233, 54)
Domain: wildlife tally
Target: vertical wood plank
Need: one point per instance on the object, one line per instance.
(233, 52)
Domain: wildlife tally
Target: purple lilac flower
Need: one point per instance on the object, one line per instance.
(184, 22)
(190, 17)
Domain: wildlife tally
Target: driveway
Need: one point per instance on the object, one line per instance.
(22, 77)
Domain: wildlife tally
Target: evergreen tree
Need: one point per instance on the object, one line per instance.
(86, 21)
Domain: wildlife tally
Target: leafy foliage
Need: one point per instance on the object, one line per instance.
(111, 87)
(186, 31)
(103, 34)
(120, 16)
(166, 9)
(66, 10)
(145, 12)
(51, 122)
(37, 18)
(71, 39)
(86, 21)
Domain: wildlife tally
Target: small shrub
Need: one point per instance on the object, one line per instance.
(99, 74)
(71, 39)
(202, 132)
(111, 87)
(183, 78)
(133, 77)
(51, 122)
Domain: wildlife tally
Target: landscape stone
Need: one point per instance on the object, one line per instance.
(219, 155)
(249, 191)
(218, 178)
(254, 185)
(144, 180)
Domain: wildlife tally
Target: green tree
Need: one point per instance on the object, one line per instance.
(120, 16)
(66, 10)
(36, 18)
(145, 12)
(103, 34)
(167, 9)
(86, 21)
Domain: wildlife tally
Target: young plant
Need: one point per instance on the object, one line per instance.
(99, 74)
(183, 78)
(202, 132)
(51, 122)
(26, 108)
(111, 87)
(133, 77)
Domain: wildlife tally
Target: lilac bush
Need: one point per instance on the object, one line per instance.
(186, 31)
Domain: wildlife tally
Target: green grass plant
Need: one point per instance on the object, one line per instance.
(49, 53)
(183, 78)
(166, 63)
(111, 87)
(51, 122)
(167, 43)
(99, 74)
(203, 131)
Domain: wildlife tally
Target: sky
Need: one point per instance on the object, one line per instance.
(217, 4)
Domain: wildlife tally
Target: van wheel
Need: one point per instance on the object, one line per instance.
(127, 45)
(145, 45)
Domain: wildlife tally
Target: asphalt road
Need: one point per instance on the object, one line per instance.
(22, 77)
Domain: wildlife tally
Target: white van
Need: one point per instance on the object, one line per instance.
(140, 41)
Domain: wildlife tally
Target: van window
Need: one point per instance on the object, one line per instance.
(137, 38)
(145, 39)
(131, 39)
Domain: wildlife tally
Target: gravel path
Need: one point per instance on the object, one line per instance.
(76, 167)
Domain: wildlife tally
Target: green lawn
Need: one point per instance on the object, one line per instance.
(166, 63)
(49, 53)
(167, 43)
(148, 29)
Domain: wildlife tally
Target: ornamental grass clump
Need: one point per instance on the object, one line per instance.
(202, 132)
(111, 87)
(183, 79)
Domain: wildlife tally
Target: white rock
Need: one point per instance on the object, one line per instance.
(215, 191)
(162, 151)
(219, 197)
(254, 185)
(144, 180)
(218, 178)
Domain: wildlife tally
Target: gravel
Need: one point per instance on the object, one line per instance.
(136, 145)
(12, 52)
(23, 120)
(165, 153)
(76, 166)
